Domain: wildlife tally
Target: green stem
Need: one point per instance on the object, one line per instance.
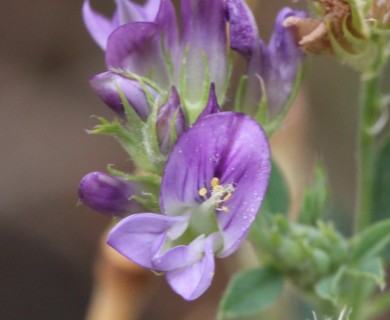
(378, 306)
(368, 114)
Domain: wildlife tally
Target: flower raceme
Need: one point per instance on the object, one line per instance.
(144, 40)
(213, 185)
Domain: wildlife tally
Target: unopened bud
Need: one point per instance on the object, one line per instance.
(109, 195)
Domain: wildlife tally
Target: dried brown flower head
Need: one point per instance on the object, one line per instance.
(313, 34)
(380, 11)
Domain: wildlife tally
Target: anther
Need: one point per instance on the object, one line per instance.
(223, 208)
(227, 197)
(214, 182)
(203, 192)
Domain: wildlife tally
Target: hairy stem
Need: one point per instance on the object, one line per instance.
(368, 112)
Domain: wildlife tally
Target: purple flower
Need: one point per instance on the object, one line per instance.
(275, 64)
(111, 195)
(144, 40)
(213, 185)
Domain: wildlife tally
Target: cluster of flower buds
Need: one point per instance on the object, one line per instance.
(205, 172)
(354, 31)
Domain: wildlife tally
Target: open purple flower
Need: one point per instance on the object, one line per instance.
(275, 65)
(144, 40)
(213, 185)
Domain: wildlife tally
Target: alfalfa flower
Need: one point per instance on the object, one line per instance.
(213, 185)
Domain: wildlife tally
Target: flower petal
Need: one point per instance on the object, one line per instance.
(110, 195)
(192, 281)
(177, 257)
(137, 46)
(98, 26)
(139, 237)
(204, 32)
(244, 36)
(128, 11)
(229, 146)
(107, 85)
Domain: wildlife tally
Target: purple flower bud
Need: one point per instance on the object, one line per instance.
(274, 65)
(170, 111)
(109, 195)
(212, 105)
(107, 86)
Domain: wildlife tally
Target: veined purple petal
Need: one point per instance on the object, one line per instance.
(139, 237)
(170, 111)
(107, 85)
(137, 47)
(204, 31)
(231, 147)
(110, 195)
(193, 280)
(98, 26)
(212, 104)
(126, 11)
(244, 35)
(167, 23)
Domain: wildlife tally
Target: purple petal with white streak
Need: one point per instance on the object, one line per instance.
(137, 47)
(128, 11)
(227, 145)
(204, 31)
(177, 257)
(139, 237)
(193, 280)
(106, 86)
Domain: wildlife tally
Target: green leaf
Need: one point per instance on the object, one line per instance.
(371, 269)
(150, 179)
(314, 198)
(277, 200)
(371, 241)
(250, 292)
(240, 93)
(329, 287)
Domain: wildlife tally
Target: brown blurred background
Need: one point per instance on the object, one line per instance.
(47, 242)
